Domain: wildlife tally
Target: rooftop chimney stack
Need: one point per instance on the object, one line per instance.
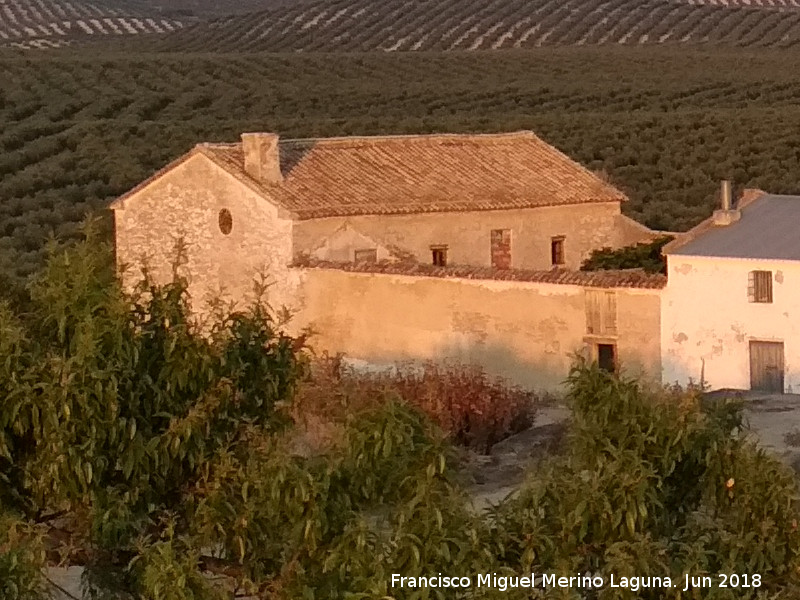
(726, 214)
(262, 159)
(725, 194)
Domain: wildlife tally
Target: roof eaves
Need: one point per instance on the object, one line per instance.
(597, 279)
(119, 203)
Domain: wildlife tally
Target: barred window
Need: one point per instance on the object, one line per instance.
(759, 286)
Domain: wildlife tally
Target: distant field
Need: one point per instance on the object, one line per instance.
(423, 25)
(395, 25)
(41, 24)
(664, 124)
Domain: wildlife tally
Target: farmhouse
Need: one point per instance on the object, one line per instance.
(730, 308)
(407, 247)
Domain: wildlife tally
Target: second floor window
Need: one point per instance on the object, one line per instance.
(501, 248)
(557, 250)
(369, 255)
(759, 286)
(439, 256)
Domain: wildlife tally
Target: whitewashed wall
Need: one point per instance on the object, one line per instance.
(707, 320)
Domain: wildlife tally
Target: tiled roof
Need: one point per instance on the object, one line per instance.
(633, 278)
(425, 173)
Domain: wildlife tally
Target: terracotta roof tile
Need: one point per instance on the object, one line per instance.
(633, 278)
(427, 173)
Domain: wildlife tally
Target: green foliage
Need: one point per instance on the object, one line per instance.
(664, 123)
(118, 402)
(364, 25)
(160, 456)
(21, 561)
(655, 484)
(645, 255)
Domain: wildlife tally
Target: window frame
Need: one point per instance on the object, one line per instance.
(439, 250)
(558, 250)
(373, 252)
(759, 287)
(500, 240)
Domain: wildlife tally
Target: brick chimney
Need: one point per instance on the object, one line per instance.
(726, 214)
(262, 158)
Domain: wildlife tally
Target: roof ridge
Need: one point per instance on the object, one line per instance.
(417, 137)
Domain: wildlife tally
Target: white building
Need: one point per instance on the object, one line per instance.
(731, 308)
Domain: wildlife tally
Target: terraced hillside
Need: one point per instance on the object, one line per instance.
(664, 124)
(55, 23)
(408, 25)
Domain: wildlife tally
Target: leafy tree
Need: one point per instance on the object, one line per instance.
(156, 453)
(644, 255)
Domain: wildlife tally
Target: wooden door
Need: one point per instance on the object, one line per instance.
(766, 367)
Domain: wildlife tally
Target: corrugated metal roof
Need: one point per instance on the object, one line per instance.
(768, 229)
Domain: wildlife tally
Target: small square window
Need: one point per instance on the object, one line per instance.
(557, 250)
(369, 255)
(439, 256)
(607, 357)
(759, 286)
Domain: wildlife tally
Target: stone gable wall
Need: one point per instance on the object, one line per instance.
(186, 203)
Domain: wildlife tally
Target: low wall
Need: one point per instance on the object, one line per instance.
(524, 331)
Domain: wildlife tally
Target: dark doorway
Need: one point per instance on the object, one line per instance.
(766, 367)
(607, 357)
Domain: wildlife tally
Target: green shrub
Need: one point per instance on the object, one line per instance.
(655, 483)
(645, 255)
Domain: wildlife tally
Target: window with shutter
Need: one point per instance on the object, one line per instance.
(759, 286)
(601, 312)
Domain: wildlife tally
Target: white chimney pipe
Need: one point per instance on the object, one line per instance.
(725, 195)
(726, 214)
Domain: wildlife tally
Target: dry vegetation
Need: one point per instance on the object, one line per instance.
(474, 409)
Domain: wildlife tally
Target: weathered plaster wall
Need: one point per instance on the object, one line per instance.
(523, 331)
(468, 234)
(708, 322)
(185, 203)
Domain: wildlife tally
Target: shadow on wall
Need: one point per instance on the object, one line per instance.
(496, 360)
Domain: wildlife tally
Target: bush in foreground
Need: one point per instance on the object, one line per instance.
(161, 458)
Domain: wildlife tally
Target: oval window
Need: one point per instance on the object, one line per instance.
(225, 221)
